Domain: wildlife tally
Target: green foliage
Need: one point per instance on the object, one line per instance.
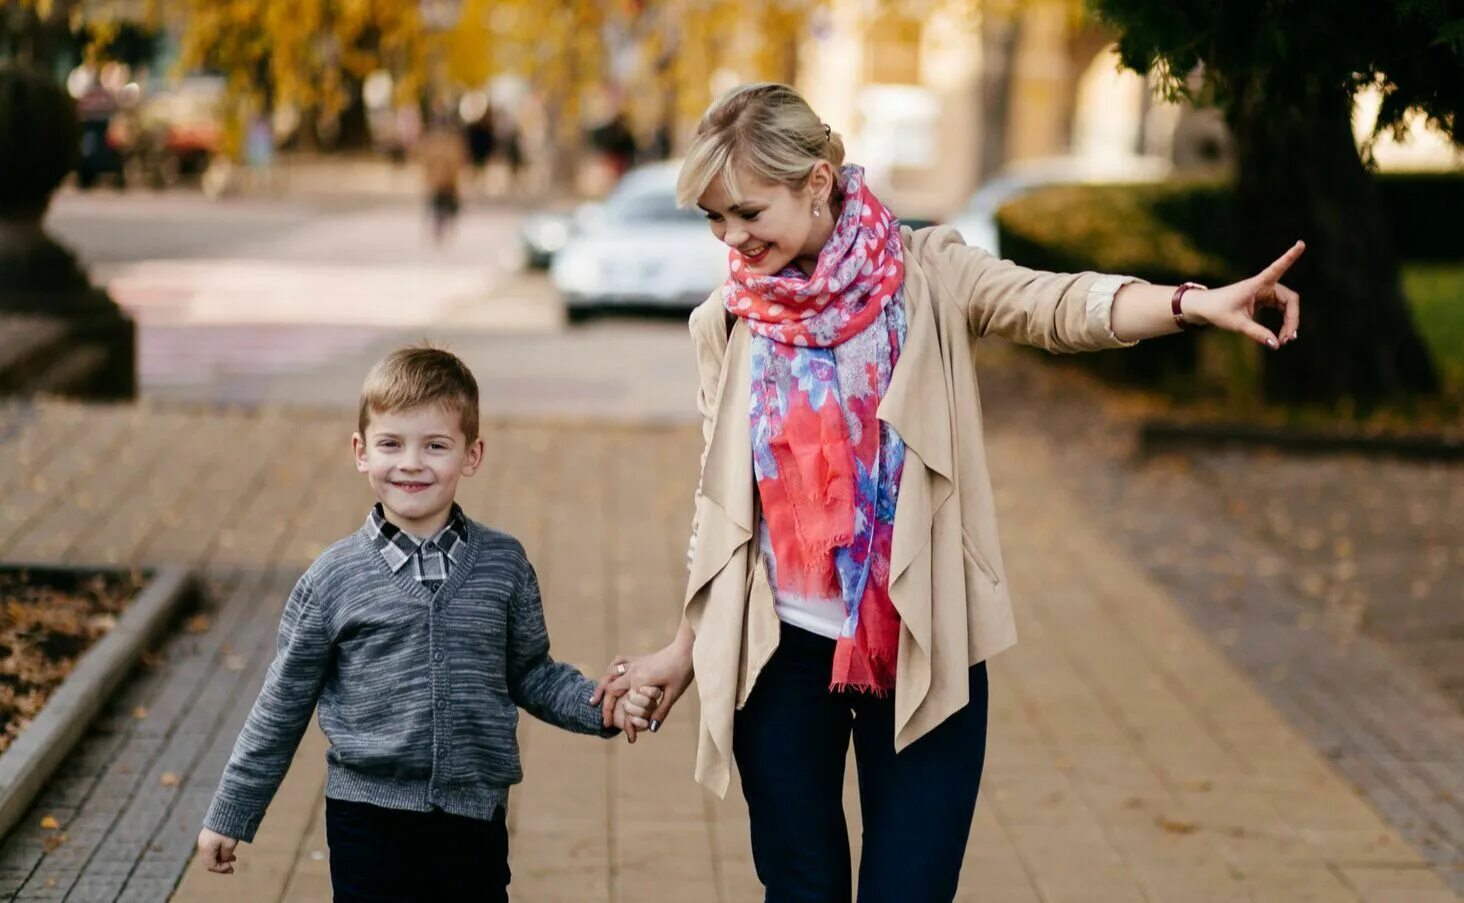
(1165, 233)
(1174, 231)
(1435, 292)
(42, 138)
(1179, 230)
(1296, 49)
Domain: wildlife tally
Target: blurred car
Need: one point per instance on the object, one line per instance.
(638, 249)
(543, 233)
(181, 129)
(977, 221)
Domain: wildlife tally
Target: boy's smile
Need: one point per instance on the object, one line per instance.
(414, 459)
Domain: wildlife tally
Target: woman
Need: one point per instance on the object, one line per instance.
(845, 573)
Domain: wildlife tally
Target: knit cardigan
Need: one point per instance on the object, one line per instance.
(419, 691)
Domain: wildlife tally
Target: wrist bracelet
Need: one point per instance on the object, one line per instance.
(1174, 308)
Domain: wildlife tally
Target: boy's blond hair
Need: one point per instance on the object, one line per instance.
(416, 377)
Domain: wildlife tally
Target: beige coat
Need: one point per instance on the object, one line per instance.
(946, 576)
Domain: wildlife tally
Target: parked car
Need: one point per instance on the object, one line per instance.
(639, 249)
(977, 221)
(543, 233)
(184, 127)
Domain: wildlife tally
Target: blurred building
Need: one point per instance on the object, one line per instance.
(934, 105)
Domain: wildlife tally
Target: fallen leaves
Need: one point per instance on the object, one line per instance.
(1175, 826)
(54, 839)
(170, 779)
(198, 624)
(47, 620)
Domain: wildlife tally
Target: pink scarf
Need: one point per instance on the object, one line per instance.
(827, 469)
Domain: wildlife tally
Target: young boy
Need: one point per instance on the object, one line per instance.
(420, 636)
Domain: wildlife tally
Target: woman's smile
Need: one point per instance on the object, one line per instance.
(754, 253)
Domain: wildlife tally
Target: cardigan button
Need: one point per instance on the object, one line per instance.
(442, 703)
(438, 656)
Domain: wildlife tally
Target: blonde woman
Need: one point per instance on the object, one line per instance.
(846, 579)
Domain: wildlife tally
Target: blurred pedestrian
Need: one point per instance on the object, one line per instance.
(442, 156)
(845, 576)
(481, 144)
(512, 143)
(615, 143)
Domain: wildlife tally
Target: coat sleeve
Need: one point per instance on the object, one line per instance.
(1058, 312)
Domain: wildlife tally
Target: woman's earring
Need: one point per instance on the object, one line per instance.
(815, 209)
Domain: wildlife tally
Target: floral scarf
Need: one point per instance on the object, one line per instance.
(827, 469)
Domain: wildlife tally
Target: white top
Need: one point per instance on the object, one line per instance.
(824, 616)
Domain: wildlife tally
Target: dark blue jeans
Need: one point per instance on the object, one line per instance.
(382, 855)
(790, 742)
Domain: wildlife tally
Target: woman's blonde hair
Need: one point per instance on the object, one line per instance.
(768, 130)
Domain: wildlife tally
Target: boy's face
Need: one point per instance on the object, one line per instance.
(414, 459)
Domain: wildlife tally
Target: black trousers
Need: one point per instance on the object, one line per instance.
(379, 855)
(790, 741)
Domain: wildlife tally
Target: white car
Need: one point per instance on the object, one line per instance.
(977, 222)
(639, 249)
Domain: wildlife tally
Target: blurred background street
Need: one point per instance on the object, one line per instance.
(289, 301)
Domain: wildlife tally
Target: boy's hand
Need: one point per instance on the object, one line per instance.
(633, 710)
(217, 851)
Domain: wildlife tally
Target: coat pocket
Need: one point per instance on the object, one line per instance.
(975, 556)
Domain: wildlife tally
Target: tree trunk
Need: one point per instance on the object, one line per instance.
(1300, 177)
(1000, 33)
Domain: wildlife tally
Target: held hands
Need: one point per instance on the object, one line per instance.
(217, 851)
(669, 668)
(632, 711)
(1234, 306)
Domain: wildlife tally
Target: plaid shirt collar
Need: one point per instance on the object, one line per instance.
(432, 558)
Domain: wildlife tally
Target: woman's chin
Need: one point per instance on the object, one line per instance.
(769, 265)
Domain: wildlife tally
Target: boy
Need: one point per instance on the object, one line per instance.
(420, 635)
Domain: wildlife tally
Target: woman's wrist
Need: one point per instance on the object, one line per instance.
(1195, 306)
(681, 648)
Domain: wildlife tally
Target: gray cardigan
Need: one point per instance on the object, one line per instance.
(418, 691)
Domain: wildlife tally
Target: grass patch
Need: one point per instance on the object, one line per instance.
(1435, 293)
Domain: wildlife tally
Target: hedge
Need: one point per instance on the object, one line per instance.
(1173, 231)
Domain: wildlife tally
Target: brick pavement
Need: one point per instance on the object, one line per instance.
(1129, 760)
(1324, 578)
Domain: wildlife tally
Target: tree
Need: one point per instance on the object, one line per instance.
(1286, 73)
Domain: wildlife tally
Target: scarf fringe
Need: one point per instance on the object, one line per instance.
(860, 676)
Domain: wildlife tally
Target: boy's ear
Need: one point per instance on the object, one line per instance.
(474, 457)
(358, 449)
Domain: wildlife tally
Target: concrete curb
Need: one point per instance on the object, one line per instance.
(1158, 436)
(34, 756)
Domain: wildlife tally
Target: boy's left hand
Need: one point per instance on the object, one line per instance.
(633, 710)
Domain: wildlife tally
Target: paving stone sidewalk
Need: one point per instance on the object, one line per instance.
(1129, 759)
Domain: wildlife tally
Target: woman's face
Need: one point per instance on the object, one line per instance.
(772, 225)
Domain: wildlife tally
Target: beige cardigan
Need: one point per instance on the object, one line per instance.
(946, 575)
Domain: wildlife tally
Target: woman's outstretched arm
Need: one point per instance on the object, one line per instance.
(1142, 311)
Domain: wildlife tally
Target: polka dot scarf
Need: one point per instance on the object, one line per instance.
(827, 469)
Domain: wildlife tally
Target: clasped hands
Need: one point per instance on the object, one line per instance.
(637, 694)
